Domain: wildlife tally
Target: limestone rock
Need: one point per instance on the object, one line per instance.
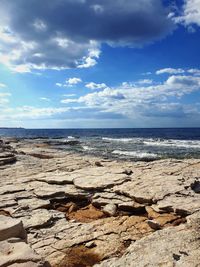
(177, 246)
(154, 224)
(14, 251)
(10, 227)
(110, 209)
(59, 178)
(97, 178)
(180, 204)
(37, 218)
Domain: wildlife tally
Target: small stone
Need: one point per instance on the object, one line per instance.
(98, 164)
(110, 209)
(154, 225)
(90, 244)
(73, 207)
(128, 172)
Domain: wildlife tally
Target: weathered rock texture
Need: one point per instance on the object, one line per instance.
(14, 251)
(80, 213)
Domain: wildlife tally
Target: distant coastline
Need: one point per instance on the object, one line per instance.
(14, 128)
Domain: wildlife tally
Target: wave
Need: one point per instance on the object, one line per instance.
(157, 142)
(87, 148)
(121, 139)
(136, 154)
(71, 137)
(174, 143)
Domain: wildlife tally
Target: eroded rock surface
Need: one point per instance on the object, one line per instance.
(14, 250)
(78, 213)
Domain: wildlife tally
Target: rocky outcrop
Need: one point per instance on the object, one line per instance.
(78, 213)
(14, 251)
(177, 246)
(7, 155)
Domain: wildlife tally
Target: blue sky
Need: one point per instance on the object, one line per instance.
(92, 63)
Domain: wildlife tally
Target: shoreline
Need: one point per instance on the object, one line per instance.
(82, 210)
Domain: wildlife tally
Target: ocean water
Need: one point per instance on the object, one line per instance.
(132, 144)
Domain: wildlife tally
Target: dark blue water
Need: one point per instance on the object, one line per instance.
(144, 144)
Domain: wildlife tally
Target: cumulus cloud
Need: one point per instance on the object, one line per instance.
(128, 101)
(194, 71)
(191, 13)
(152, 100)
(169, 71)
(67, 34)
(145, 81)
(95, 86)
(70, 82)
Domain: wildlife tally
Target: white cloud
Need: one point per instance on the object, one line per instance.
(145, 81)
(70, 100)
(170, 71)
(40, 25)
(45, 99)
(69, 95)
(3, 85)
(194, 71)
(152, 100)
(29, 112)
(70, 82)
(191, 13)
(94, 86)
(187, 83)
(59, 84)
(4, 98)
(129, 101)
(73, 81)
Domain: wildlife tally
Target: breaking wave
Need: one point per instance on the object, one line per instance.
(137, 154)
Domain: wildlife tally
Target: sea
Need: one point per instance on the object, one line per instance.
(131, 144)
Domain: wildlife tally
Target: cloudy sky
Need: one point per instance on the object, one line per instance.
(99, 63)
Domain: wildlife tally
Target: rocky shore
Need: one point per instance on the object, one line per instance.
(62, 209)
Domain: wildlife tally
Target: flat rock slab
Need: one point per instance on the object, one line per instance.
(170, 247)
(32, 203)
(98, 178)
(181, 204)
(122, 202)
(14, 251)
(6, 189)
(36, 218)
(60, 178)
(150, 188)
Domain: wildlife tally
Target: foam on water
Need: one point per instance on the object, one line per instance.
(121, 139)
(136, 154)
(87, 148)
(173, 143)
(71, 137)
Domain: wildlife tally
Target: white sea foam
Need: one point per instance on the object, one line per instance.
(173, 143)
(70, 137)
(87, 148)
(121, 139)
(136, 154)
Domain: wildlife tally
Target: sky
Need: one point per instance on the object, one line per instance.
(99, 63)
